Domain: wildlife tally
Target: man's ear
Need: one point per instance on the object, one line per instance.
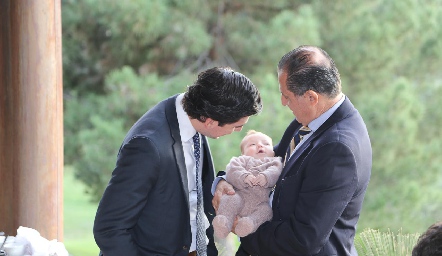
(313, 97)
(210, 123)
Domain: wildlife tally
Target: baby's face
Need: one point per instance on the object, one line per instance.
(258, 145)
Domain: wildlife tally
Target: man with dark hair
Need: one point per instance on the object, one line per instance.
(154, 203)
(327, 151)
(430, 242)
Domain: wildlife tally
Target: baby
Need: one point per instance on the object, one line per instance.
(253, 174)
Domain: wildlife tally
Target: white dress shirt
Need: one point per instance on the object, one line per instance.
(186, 132)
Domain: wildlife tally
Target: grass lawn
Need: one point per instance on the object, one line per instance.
(79, 216)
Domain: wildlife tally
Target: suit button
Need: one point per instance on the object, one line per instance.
(185, 248)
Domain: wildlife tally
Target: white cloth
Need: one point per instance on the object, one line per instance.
(29, 242)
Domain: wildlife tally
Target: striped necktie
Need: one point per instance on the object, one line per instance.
(201, 247)
(299, 135)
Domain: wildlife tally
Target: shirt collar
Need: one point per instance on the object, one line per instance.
(315, 124)
(186, 129)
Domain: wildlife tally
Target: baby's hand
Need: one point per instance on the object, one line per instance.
(250, 180)
(260, 180)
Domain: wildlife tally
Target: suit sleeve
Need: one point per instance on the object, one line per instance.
(329, 181)
(125, 197)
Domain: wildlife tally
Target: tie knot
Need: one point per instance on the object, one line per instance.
(304, 130)
(196, 138)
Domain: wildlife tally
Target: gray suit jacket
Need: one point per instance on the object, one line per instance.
(145, 208)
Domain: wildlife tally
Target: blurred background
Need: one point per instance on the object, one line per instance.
(121, 57)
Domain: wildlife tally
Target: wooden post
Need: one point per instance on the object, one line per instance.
(31, 117)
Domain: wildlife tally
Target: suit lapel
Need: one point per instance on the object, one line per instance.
(177, 146)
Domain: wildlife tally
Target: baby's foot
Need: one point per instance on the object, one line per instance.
(244, 227)
(221, 226)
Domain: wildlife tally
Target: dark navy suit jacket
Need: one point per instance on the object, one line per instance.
(318, 197)
(145, 207)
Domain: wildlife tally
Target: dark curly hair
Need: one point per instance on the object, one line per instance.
(222, 94)
(310, 68)
(430, 242)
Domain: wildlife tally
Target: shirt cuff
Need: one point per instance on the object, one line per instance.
(215, 182)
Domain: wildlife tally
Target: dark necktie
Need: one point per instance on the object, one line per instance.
(201, 247)
(299, 135)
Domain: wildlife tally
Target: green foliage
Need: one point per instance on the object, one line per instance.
(393, 115)
(376, 243)
(400, 190)
(258, 45)
(407, 204)
(375, 42)
(149, 36)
